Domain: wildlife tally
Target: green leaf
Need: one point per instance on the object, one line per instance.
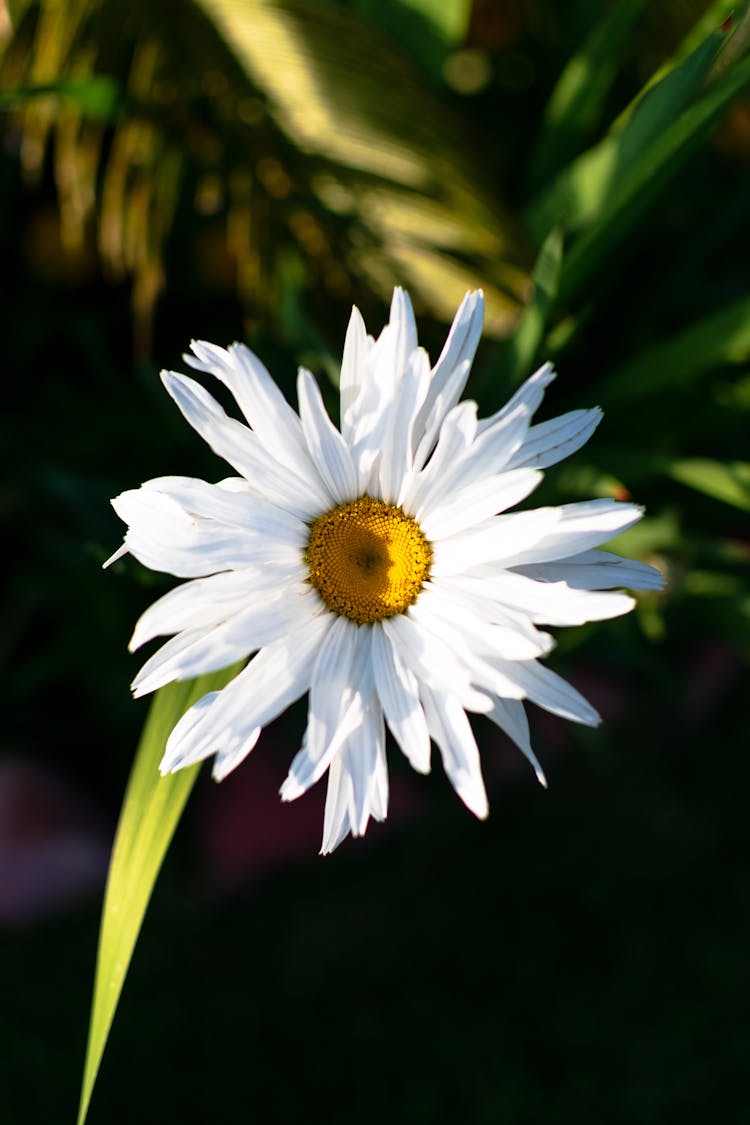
(321, 124)
(728, 481)
(97, 97)
(723, 480)
(425, 29)
(712, 19)
(524, 345)
(721, 338)
(150, 813)
(390, 157)
(449, 18)
(583, 191)
(635, 182)
(577, 99)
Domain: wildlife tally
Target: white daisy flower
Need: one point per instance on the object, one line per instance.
(374, 566)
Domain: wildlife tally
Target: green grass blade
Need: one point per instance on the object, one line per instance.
(638, 183)
(721, 338)
(577, 99)
(524, 345)
(150, 813)
(712, 19)
(581, 195)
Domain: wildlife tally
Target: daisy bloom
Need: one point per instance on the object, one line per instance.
(375, 567)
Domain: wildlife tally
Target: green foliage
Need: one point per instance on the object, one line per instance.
(677, 363)
(524, 345)
(728, 482)
(150, 813)
(577, 101)
(381, 184)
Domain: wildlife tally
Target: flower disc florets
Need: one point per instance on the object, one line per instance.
(368, 560)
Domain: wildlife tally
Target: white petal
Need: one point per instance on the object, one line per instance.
(327, 448)
(363, 756)
(162, 536)
(356, 349)
(501, 540)
(580, 527)
(357, 784)
(545, 603)
(274, 679)
(230, 439)
(274, 421)
(452, 732)
(553, 441)
(510, 716)
(428, 657)
(207, 601)
(529, 394)
(597, 570)
(451, 371)
(396, 453)
(548, 690)
(476, 503)
(199, 651)
(469, 463)
(483, 666)
(336, 706)
(483, 628)
(373, 408)
(456, 436)
(337, 816)
(426, 433)
(233, 508)
(403, 336)
(113, 558)
(398, 690)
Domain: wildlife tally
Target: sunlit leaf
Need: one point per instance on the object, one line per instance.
(308, 124)
(727, 481)
(449, 17)
(390, 157)
(151, 810)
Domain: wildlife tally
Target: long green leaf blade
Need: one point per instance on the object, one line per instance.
(646, 179)
(150, 814)
(577, 99)
(524, 345)
(583, 192)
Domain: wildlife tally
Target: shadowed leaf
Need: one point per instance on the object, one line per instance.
(577, 99)
(674, 364)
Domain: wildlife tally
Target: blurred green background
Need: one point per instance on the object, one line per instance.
(245, 169)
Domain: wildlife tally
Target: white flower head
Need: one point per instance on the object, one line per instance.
(375, 567)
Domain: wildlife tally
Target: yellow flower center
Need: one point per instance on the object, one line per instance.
(367, 559)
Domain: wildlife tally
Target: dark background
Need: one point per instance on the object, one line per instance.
(581, 956)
